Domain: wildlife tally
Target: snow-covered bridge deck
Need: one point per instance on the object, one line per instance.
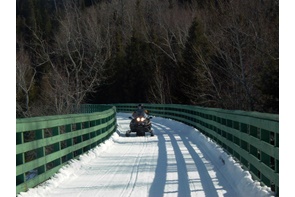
(177, 161)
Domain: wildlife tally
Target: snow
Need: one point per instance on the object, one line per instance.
(177, 161)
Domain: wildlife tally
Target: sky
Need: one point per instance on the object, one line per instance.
(177, 161)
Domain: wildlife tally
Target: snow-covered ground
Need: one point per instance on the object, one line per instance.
(177, 161)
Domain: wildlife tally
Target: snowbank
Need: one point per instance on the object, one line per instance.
(231, 169)
(70, 170)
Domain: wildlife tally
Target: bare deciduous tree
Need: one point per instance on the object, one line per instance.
(85, 45)
(77, 58)
(25, 75)
(159, 91)
(235, 40)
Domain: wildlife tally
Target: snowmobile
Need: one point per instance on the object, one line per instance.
(140, 124)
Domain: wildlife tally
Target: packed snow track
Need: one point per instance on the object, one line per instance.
(177, 161)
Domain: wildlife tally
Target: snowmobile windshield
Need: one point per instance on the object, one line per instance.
(140, 112)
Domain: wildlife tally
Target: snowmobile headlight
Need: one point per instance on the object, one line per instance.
(140, 119)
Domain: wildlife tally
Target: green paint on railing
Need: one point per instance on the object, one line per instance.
(45, 144)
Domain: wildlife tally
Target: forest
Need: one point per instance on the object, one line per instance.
(209, 53)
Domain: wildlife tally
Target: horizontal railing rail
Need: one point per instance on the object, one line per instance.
(252, 138)
(45, 144)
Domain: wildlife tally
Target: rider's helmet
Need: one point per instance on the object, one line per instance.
(140, 106)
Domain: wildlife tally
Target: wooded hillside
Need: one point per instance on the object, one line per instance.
(211, 53)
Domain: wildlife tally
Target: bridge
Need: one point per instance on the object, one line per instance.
(45, 144)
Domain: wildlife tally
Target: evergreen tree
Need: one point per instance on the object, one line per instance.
(138, 61)
(195, 57)
(268, 84)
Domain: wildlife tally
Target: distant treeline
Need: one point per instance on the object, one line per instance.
(211, 53)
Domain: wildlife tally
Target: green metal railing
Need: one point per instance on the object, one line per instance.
(252, 138)
(45, 144)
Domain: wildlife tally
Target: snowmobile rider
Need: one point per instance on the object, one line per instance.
(139, 110)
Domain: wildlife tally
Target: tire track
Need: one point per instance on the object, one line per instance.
(134, 173)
